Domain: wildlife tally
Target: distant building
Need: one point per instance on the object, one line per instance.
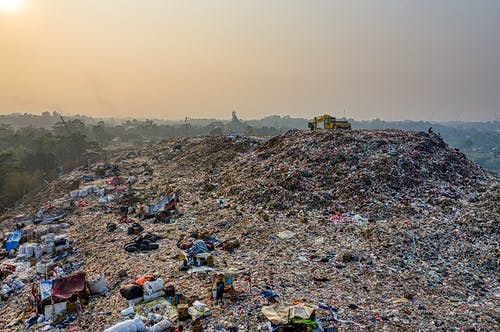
(236, 125)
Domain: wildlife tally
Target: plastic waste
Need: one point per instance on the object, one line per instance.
(153, 286)
(98, 286)
(161, 326)
(128, 311)
(130, 325)
(13, 240)
(151, 297)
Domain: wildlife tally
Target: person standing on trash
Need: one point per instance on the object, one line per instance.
(219, 290)
(179, 329)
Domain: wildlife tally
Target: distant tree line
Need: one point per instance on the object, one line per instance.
(30, 156)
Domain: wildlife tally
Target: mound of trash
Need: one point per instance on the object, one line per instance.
(307, 231)
(377, 174)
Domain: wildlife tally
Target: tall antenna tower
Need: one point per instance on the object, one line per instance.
(186, 124)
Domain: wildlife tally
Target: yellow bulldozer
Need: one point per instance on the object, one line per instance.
(329, 122)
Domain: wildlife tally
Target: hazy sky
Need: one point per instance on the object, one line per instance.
(421, 59)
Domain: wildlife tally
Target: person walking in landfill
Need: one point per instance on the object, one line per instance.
(179, 329)
(219, 290)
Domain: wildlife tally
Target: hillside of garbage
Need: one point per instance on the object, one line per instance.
(327, 230)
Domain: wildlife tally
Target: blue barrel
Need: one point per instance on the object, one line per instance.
(13, 240)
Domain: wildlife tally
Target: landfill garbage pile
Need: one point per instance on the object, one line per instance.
(376, 174)
(307, 231)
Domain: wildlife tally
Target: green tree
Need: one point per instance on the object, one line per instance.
(8, 164)
(69, 127)
(100, 133)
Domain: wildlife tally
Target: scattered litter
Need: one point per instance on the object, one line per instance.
(326, 230)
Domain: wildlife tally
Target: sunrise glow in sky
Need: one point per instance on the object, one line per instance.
(389, 59)
(11, 5)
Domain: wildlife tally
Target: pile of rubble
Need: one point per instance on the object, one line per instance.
(377, 174)
(324, 230)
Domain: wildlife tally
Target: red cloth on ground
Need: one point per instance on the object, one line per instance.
(64, 288)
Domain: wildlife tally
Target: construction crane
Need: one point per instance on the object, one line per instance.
(65, 124)
(329, 122)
